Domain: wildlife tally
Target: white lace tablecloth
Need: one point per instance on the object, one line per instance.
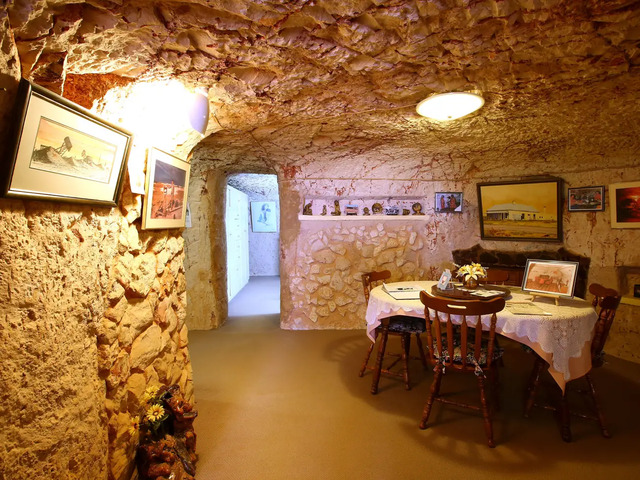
(558, 338)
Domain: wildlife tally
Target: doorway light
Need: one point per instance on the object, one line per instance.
(449, 106)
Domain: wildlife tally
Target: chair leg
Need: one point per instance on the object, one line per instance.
(486, 412)
(405, 340)
(594, 396)
(494, 378)
(384, 335)
(534, 380)
(423, 357)
(366, 359)
(433, 393)
(565, 418)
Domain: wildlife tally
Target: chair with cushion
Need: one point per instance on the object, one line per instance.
(607, 299)
(398, 325)
(457, 344)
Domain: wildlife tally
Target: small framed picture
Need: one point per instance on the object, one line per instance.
(165, 201)
(586, 199)
(62, 152)
(636, 290)
(264, 217)
(550, 277)
(624, 199)
(448, 202)
(445, 280)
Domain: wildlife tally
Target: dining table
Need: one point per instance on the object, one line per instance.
(561, 334)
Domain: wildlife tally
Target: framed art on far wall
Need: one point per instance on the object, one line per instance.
(63, 152)
(448, 202)
(624, 201)
(585, 199)
(521, 210)
(264, 217)
(550, 277)
(165, 201)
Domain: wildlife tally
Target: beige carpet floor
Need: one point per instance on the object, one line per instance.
(278, 404)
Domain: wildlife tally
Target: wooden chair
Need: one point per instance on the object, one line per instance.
(607, 299)
(398, 325)
(464, 349)
(496, 277)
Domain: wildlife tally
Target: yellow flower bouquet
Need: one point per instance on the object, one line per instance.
(471, 273)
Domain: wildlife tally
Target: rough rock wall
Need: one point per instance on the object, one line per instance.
(93, 312)
(206, 261)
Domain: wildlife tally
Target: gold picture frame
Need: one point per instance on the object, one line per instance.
(166, 189)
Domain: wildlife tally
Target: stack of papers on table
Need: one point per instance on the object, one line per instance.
(485, 293)
(525, 308)
(405, 292)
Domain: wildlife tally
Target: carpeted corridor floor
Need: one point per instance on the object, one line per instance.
(279, 404)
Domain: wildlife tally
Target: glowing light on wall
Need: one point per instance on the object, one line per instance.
(449, 106)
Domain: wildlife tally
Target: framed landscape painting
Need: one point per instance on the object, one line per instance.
(550, 277)
(63, 152)
(524, 210)
(625, 204)
(586, 199)
(165, 201)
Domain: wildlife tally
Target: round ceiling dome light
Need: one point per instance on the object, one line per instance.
(449, 106)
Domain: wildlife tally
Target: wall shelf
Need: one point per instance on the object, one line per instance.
(362, 218)
(631, 301)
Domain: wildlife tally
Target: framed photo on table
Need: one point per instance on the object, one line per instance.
(550, 277)
(165, 201)
(62, 152)
(586, 199)
(523, 210)
(625, 204)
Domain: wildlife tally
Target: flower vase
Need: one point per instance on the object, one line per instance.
(471, 283)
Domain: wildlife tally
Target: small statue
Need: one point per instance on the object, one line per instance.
(365, 211)
(307, 209)
(417, 209)
(405, 211)
(376, 208)
(336, 208)
(324, 210)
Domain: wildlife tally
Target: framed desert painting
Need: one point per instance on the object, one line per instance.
(550, 277)
(63, 152)
(165, 201)
(585, 199)
(524, 210)
(624, 199)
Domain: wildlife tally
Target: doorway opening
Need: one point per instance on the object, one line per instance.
(252, 219)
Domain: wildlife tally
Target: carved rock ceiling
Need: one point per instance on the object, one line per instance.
(331, 85)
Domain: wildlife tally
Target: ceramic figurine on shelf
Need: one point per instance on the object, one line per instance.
(324, 210)
(307, 209)
(336, 208)
(405, 211)
(365, 211)
(376, 208)
(417, 209)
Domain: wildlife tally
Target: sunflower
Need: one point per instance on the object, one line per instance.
(154, 413)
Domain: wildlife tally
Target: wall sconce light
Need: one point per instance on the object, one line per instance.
(449, 106)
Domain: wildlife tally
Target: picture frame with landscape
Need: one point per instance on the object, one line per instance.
(167, 183)
(63, 152)
(550, 277)
(624, 201)
(528, 210)
(585, 199)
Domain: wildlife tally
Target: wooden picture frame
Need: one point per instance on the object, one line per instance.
(624, 201)
(63, 152)
(528, 210)
(167, 184)
(264, 217)
(585, 199)
(550, 277)
(448, 202)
